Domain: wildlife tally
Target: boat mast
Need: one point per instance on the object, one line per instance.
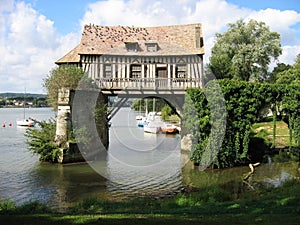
(24, 104)
(146, 103)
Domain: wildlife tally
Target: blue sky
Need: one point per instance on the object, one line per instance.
(263, 4)
(64, 13)
(35, 33)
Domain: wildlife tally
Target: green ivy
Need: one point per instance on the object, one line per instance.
(243, 103)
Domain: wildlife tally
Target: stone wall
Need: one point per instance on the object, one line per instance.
(79, 111)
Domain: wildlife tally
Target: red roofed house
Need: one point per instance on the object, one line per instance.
(119, 57)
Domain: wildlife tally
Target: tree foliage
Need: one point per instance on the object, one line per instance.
(275, 74)
(290, 75)
(152, 104)
(243, 102)
(66, 76)
(244, 51)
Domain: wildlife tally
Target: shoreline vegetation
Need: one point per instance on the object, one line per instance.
(214, 205)
(17, 100)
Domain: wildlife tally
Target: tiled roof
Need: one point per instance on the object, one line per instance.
(171, 40)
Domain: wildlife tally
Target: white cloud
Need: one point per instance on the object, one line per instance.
(133, 12)
(289, 54)
(31, 46)
(279, 21)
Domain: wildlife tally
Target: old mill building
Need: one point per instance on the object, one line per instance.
(130, 62)
(127, 57)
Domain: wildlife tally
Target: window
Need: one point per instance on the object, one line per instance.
(181, 71)
(131, 46)
(151, 47)
(135, 71)
(107, 71)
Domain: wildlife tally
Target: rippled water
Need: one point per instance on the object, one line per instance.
(17, 165)
(136, 164)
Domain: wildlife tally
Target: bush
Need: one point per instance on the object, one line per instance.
(41, 140)
(7, 206)
(32, 208)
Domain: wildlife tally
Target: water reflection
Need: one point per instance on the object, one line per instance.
(139, 163)
(271, 174)
(66, 184)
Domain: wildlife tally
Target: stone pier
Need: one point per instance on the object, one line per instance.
(71, 146)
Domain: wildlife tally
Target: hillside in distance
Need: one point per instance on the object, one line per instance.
(21, 95)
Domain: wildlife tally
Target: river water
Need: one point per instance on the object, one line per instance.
(136, 164)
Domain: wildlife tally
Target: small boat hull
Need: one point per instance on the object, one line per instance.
(169, 129)
(152, 129)
(26, 123)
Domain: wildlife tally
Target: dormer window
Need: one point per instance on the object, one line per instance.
(151, 46)
(131, 46)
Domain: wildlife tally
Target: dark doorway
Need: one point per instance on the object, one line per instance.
(161, 75)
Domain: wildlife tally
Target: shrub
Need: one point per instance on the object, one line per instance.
(41, 140)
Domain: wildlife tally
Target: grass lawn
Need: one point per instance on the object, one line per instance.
(263, 206)
(265, 130)
(222, 219)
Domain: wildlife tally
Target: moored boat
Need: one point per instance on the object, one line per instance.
(169, 128)
(142, 122)
(154, 124)
(25, 123)
(152, 127)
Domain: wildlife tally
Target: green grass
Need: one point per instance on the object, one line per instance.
(265, 130)
(263, 206)
(120, 219)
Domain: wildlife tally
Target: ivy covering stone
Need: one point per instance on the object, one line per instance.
(225, 110)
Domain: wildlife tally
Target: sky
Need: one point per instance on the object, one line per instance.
(36, 33)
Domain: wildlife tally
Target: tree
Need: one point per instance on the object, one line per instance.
(291, 75)
(166, 111)
(274, 75)
(244, 51)
(67, 76)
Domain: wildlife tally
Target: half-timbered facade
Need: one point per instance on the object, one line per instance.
(123, 57)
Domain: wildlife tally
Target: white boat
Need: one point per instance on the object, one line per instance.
(154, 123)
(25, 123)
(152, 127)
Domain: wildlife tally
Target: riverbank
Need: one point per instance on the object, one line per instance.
(264, 205)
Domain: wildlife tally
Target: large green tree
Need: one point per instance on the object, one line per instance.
(244, 51)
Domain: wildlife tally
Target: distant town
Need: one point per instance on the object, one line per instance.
(8, 100)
